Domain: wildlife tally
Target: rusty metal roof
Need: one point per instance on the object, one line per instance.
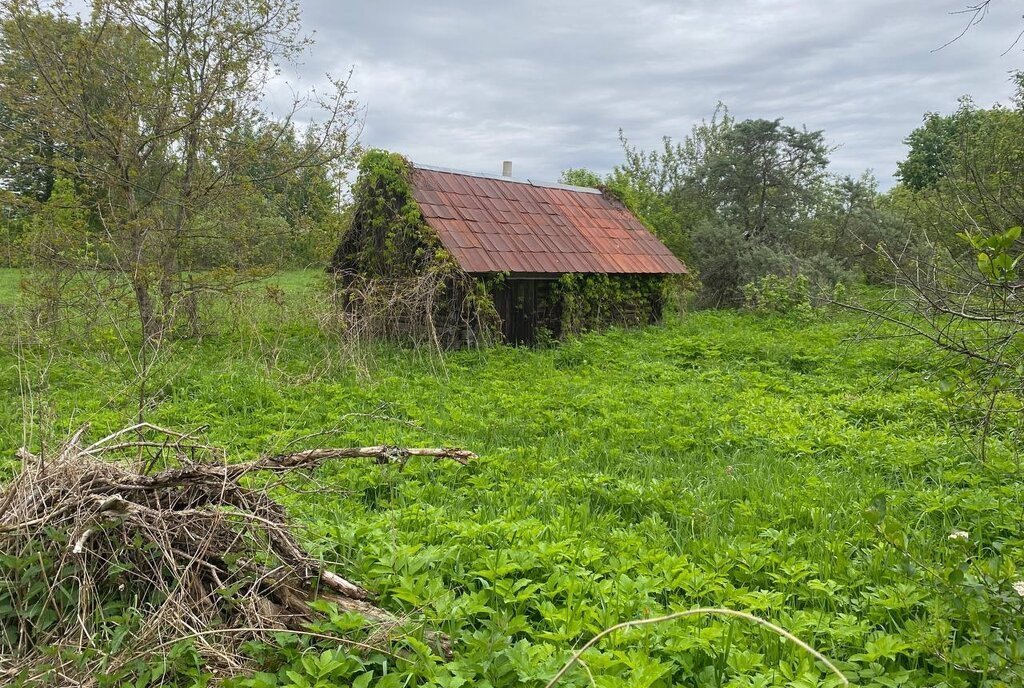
(498, 224)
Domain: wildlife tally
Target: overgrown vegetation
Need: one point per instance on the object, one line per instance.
(761, 462)
(957, 277)
(396, 280)
(148, 119)
(740, 200)
(594, 302)
(852, 475)
(388, 235)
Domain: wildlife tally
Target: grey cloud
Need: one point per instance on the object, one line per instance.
(549, 84)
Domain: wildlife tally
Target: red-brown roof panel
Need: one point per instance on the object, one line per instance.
(545, 263)
(499, 225)
(501, 244)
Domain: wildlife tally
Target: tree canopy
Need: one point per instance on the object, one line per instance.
(740, 200)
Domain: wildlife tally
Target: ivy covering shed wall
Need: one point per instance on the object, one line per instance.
(397, 280)
(594, 302)
(388, 236)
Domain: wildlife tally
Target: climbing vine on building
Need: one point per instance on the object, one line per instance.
(595, 301)
(396, 279)
(387, 236)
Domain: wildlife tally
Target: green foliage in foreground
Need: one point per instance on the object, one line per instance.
(761, 462)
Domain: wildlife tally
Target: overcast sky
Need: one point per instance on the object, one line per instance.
(548, 83)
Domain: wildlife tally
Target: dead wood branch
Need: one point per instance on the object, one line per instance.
(196, 545)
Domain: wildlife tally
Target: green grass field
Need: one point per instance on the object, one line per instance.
(723, 459)
(9, 279)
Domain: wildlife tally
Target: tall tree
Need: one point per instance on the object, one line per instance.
(765, 177)
(929, 155)
(306, 199)
(667, 186)
(964, 294)
(733, 197)
(141, 104)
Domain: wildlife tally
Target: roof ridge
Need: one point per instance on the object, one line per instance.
(502, 178)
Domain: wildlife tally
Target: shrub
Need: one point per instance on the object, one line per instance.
(727, 260)
(781, 294)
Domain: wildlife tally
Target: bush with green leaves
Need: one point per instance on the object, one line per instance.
(790, 294)
(781, 294)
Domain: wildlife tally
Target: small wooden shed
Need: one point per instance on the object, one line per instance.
(553, 259)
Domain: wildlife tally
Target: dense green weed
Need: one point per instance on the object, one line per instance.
(755, 461)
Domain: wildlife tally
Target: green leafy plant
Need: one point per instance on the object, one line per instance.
(996, 259)
(770, 464)
(593, 302)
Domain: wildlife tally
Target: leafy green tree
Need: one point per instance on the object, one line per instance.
(931, 151)
(667, 186)
(851, 218)
(142, 103)
(59, 233)
(26, 160)
(734, 199)
(27, 147)
(935, 147)
(765, 177)
(963, 293)
(305, 197)
(581, 176)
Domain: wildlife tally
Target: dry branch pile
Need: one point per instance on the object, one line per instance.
(190, 548)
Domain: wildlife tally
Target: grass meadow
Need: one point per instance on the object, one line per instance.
(789, 466)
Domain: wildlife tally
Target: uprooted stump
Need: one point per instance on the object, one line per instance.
(193, 548)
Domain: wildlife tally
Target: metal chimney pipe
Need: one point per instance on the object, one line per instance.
(506, 168)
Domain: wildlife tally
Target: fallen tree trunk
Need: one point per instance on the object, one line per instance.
(192, 547)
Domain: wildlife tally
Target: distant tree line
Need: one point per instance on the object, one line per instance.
(741, 200)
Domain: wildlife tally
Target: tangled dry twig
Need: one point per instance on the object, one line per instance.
(193, 547)
(439, 309)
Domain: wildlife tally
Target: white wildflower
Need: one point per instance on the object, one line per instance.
(959, 535)
(1018, 588)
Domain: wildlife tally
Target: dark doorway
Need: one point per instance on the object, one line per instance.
(530, 310)
(516, 302)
